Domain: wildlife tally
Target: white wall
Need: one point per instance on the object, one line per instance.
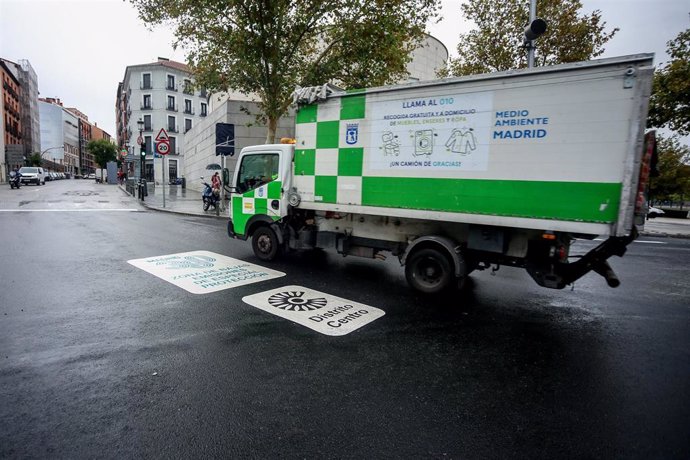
(201, 140)
(427, 60)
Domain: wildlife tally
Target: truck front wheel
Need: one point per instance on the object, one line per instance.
(429, 271)
(265, 243)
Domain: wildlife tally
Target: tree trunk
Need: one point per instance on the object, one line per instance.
(272, 127)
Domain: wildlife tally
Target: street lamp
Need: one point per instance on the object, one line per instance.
(48, 150)
(140, 123)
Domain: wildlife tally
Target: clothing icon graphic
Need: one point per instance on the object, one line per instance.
(390, 144)
(462, 141)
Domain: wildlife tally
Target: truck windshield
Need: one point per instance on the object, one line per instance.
(257, 170)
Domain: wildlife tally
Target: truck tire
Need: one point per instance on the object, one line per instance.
(429, 271)
(265, 243)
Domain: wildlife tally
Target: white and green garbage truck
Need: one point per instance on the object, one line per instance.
(459, 174)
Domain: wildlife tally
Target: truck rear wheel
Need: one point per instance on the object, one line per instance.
(265, 243)
(429, 271)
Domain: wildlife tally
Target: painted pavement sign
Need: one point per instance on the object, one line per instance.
(201, 272)
(316, 310)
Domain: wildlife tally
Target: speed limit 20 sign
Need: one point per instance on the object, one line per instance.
(162, 142)
(162, 148)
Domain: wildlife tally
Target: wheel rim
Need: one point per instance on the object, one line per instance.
(429, 272)
(264, 244)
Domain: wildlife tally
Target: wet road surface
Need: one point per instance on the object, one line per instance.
(102, 359)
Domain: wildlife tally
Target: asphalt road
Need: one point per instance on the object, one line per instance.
(102, 359)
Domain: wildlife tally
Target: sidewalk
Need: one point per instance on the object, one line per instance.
(186, 201)
(177, 199)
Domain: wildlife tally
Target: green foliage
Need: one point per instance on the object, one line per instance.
(103, 151)
(34, 159)
(497, 42)
(673, 181)
(669, 105)
(269, 47)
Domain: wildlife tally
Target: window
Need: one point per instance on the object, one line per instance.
(148, 145)
(257, 170)
(188, 88)
(146, 81)
(148, 170)
(171, 124)
(187, 124)
(171, 103)
(171, 83)
(203, 109)
(188, 106)
(147, 102)
(147, 123)
(172, 170)
(173, 146)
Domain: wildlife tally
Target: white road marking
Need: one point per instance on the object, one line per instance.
(71, 210)
(202, 272)
(636, 241)
(324, 313)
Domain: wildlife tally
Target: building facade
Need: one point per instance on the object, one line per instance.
(162, 95)
(28, 103)
(11, 118)
(59, 137)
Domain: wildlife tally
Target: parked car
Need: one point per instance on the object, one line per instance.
(32, 175)
(654, 212)
(90, 176)
(49, 176)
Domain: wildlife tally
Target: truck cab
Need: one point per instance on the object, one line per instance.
(259, 199)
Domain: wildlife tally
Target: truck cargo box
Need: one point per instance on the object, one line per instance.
(552, 148)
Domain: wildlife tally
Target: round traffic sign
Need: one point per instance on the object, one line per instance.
(163, 148)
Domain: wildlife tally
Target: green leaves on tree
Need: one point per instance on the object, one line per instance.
(267, 48)
(103, 151)
(496, 43)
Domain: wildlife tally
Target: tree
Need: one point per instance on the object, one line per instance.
(34, 159)
(669, 105)
(497, 42)
(673, 181)
(102, 150)
(268, 48)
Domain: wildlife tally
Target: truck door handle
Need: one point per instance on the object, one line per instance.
(275, 204)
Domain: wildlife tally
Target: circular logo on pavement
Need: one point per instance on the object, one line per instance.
(293, 301)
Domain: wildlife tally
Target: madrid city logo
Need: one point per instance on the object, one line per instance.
(352, 133)
(294, 301)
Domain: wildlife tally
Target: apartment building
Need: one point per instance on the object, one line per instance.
(162, 96)
(13, 151)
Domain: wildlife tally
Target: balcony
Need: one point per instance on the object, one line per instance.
(171, 87)
(173, 129)
(203, 113)
(189, 111)
(146, 107)
(171, 108)
(145, 86)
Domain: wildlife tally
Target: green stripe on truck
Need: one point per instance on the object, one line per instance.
(574, 201)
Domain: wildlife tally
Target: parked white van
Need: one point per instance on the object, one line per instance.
(32, 175)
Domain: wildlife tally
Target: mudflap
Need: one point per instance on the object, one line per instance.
(558, 276)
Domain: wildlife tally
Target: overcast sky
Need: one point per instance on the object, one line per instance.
(80, 49)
